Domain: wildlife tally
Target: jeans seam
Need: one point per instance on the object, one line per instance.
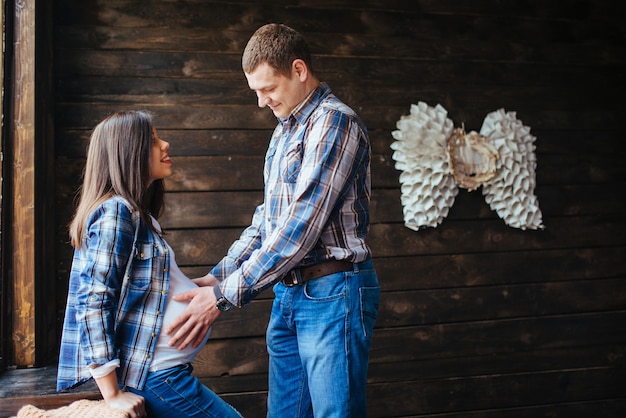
(189, 401)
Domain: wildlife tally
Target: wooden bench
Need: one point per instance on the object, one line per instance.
(37, 386)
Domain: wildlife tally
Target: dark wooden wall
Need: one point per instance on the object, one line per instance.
(477, 319)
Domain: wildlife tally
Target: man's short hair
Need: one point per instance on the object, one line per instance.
(277, 45)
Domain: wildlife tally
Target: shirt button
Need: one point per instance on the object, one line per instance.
(147, 355)
(141, 255)
(153, 334)
(163, 292)
(159, 313)
(165, 269)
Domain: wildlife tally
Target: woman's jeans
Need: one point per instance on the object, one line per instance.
(176, 393)
(318, 340)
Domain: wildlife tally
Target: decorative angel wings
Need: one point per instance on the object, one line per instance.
(436, 159)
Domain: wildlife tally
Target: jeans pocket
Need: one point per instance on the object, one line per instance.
(326, 288)
(370, 301)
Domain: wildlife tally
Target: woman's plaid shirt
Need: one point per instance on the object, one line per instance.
(117, 293)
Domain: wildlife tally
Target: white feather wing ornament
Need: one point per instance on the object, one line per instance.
(427, 185)
(435, 160)
(511, 192)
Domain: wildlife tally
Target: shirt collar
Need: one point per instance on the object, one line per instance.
(302, 112)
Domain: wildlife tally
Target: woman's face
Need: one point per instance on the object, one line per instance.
(160, 163)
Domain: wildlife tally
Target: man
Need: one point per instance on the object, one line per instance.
(307, 239)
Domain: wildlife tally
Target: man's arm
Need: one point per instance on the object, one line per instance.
(191, 325)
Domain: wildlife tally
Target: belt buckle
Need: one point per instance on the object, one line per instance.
(295, 278)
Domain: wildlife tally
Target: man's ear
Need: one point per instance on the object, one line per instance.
(300, 69)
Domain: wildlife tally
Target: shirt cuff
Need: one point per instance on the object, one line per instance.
(104, 369)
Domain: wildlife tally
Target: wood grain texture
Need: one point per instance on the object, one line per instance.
(23, 132)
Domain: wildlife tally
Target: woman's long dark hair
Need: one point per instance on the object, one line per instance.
(118, 163)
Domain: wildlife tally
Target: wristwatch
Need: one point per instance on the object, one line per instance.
(221, 303)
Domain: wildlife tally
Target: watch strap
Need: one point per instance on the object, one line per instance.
(221, 303)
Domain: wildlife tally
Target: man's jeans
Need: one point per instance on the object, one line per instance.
(318, 340)
(176, 393)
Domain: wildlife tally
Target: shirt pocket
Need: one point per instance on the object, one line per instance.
(144, 256)
(291, 163)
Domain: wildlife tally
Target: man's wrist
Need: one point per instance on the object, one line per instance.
(221, 303)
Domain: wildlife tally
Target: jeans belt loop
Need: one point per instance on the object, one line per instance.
(296, 278)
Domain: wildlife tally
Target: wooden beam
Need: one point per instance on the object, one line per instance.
(23, 335)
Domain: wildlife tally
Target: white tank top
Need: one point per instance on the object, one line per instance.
(164, 355)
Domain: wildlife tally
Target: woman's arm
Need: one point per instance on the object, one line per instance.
(116, 398)
(108, 247)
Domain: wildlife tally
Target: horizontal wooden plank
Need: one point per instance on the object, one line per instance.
(533, 361)
(502, 336)
(558, 95)
(408, 308)
(182, 68)
(217, 173)
(573, 142)
(484, 269)
(495, 392)
(232, 357)
(253, 406)
(249, 404)
(206, 246)
(172, 116)
(248, 355)
(193, 210)
(460, 270)
(183, 142)
(452, 237)
(459, 45)
(443, 306)
(199, 142)
(610, 408)
(377, 116)
(563, 177)
(586, 10)
(223, 209)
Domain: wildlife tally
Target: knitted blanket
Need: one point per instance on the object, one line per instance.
(78, 409)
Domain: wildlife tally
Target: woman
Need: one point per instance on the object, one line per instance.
(122, 274)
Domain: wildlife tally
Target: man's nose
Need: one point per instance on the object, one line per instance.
(262, 100)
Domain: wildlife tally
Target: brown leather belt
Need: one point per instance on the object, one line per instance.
(304, 274)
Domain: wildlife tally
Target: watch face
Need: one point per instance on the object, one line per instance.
(223, 304)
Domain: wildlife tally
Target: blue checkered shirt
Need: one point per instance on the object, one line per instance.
(316, 199)
(117, 293)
